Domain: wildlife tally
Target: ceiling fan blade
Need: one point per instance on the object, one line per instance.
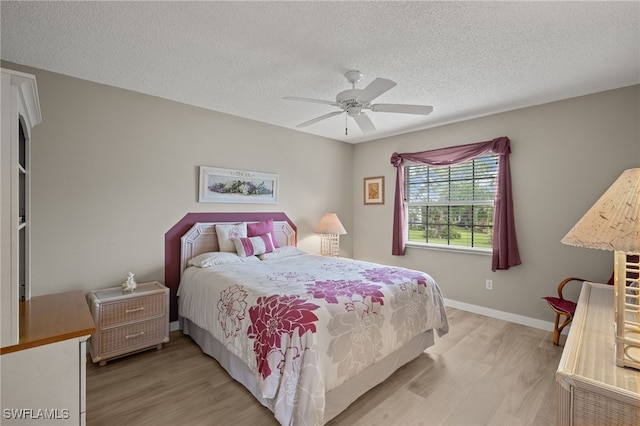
(322, 117)
(376, 88)
(402, 108)
(365, 124)
(317, 101)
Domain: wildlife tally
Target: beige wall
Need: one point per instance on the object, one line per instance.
(564, 156)
(113, 170)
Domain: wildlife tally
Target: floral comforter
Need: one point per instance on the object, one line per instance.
(305, 324)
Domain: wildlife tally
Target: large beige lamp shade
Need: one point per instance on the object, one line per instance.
(613, 223)
(331, 228)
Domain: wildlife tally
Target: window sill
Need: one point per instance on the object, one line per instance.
(452, 248)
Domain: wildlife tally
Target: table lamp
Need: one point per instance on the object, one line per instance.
(331, 228)
(613, 223)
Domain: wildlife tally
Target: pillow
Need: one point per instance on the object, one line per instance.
(252, 246)
(207, 260)
(259, 228)
(226, 232)
(284, 251)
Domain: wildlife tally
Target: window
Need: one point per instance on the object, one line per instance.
(504, 247)
(452, 205)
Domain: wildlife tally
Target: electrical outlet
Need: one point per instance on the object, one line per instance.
(488, 284)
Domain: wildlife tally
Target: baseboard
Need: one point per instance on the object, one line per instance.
(505, 316)
(174, 325)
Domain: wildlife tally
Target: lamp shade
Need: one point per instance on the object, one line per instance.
(330, 224)
(613, 223)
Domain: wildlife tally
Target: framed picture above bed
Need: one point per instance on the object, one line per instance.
(219, 185)
(374, 190)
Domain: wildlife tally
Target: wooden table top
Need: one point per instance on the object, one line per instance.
(52, 318)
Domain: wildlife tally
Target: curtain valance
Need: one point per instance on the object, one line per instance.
(505, 246)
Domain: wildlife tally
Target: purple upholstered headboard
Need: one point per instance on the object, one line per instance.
(172, 238)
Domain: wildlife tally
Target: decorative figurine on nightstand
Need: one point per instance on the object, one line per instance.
(129, 285)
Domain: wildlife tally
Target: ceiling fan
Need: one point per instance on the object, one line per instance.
(354, 101)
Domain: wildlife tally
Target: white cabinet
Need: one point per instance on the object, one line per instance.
(43, 339)
(57, 398)
(20, 111)
(42, 378)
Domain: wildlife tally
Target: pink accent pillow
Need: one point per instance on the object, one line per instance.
(260, 228)
(252, 246)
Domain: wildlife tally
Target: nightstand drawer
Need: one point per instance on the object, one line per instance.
(126, 311)
(132, 337)
(128, 323)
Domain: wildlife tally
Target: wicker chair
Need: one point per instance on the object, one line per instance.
(563, 308)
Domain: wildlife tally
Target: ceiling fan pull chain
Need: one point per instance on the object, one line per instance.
(346, 124)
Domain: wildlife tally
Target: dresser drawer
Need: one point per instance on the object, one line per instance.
(131, 337)
(128, 323)
(136, 309)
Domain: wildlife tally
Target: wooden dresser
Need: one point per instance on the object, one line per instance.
(43, 375)
(592, 390)
(128, 323)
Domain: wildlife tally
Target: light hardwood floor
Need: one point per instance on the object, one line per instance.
(484, 372)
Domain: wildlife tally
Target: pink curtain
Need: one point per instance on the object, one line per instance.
(505, 245)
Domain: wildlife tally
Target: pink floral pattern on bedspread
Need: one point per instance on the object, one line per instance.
(395, 276)
(330, 290)
(307, 323)
(273, 318)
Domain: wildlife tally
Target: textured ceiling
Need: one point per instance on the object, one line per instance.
(466, 59)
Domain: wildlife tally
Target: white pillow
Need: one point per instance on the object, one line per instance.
(284, 251)
(252, 246)
(207, 260)
(226, 232)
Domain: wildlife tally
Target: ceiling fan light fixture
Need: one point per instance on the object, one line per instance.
(353, 111)
(354, 101)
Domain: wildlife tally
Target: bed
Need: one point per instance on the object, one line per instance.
(305, 334)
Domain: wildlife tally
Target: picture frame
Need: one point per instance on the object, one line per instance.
(218, 185)
(374, 190)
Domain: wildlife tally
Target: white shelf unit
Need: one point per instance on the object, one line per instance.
(20, 111)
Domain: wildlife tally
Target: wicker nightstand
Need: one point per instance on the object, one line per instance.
(128, 323)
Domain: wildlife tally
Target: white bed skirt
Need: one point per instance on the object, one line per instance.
(338, 399)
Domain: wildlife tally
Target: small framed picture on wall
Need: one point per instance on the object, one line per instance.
(374, 190)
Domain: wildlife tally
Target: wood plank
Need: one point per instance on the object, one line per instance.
(484, 372)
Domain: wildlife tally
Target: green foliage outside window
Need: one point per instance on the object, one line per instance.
(452, 205)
